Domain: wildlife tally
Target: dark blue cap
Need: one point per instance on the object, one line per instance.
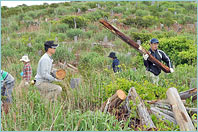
(112, 55)
(154, 40)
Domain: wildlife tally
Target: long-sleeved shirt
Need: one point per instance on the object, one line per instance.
(44, 69)
(6, 78)
(115, 64)
(159, 55)
(27, 72)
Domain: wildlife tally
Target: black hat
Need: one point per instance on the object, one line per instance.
(112, 55)
(51, 44)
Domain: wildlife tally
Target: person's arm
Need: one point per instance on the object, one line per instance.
(146, 61)
(45, 70)
(166, 59)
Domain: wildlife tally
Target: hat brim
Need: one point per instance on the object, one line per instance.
(25, 60)
(54, 45)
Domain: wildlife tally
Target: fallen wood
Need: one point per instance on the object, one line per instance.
(194, 98)
(167, 112)
(137, 47)
(188, 93)
(114, 101)
(73, 67)
(145, 118)
(162, 105)
(180, 113)
(161, 115)
(165, 102)
(191, 110)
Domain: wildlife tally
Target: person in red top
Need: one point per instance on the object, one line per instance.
(27, 69)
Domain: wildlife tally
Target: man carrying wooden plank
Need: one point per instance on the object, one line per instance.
(159, 55)
(44, 75)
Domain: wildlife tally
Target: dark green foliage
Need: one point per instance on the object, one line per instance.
(179, 49)
(143, 37)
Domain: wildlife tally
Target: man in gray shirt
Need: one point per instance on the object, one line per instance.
(44, 75)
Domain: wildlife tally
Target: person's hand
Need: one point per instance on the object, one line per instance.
(26, 83)
(145, 56)
(58, 80)
(171, 70)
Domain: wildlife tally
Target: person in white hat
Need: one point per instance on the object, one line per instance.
(27, 69)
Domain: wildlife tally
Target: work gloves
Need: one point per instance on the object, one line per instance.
(26, 83)
(145, 56)
(171, 70)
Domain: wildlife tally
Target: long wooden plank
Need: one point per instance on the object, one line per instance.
(132, 43)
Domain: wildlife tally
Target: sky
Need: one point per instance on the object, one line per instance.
(16, 3)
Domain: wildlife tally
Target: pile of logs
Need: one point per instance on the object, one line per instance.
(171, 109)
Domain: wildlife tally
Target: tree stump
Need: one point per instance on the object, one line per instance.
(114, 101)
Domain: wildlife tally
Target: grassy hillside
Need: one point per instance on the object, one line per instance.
(24, 29)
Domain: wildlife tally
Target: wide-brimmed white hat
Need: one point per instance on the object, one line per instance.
(25, 58)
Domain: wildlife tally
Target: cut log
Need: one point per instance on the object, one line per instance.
(167, 112)
(137, 47)
(188, 93)
(180, 113)
(114, 101)
(165, 102)
(145, 118)
(162, 105)
(161, 115)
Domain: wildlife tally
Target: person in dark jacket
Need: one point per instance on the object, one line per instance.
(115, 63)
(159, 55)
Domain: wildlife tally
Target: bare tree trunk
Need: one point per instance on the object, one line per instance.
(179, 110)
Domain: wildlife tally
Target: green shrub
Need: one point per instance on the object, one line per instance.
(74, 32)
(141, 12)
(80, 21)
(95, 16)
(62, 36)
(62, 54)
(179, 49)
(60, 28)
(119, 9)
(91, 4)
(143, 37)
